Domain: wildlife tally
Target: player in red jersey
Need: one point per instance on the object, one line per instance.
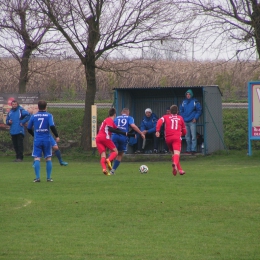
(103, 140)
(174, 129)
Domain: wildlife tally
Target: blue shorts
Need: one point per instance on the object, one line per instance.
(120, 142)
(53, 142)
(42, 147)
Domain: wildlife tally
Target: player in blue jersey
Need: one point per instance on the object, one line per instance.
(39, 126)
(123, 122)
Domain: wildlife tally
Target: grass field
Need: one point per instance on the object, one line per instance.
(212, 212)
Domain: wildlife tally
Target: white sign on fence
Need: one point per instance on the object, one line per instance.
(93, 125)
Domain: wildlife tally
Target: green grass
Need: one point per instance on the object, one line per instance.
(212, 212)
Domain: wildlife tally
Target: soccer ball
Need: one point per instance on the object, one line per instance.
(143, 169)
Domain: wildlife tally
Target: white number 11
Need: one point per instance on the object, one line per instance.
(174, 124)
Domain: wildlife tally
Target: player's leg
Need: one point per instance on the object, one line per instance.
(176, 153)
(117, 162)
(174, 166)
(116, 139)
(102, 151)
(37, 167)
(112, 156)
(47, 153)
(169, 143)
(113, 152)
(37, 153)
(57, 152)
(121, 145)
(103, 163)
(48, 169)
(174, 146)
(181, 171)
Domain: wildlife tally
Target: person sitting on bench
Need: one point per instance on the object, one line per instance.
(147, 127)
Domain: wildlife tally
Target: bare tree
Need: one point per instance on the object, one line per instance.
(228, 26)
(96, 29)
(23, 33)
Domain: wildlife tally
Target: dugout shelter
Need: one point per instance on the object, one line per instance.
(209, 125)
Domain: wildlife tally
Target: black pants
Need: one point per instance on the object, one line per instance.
(148, 136)
(18, 145)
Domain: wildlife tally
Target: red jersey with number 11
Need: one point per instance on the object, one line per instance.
(174, 126)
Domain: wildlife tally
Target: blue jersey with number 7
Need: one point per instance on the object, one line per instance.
(41, 123)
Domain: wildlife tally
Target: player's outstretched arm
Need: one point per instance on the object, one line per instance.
(117, 131)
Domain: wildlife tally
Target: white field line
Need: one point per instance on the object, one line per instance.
(27, 202)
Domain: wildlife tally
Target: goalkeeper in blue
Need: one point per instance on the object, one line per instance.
(39, 126)
(124, 122)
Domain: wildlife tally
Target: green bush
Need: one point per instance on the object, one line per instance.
(68, 122)
(235, 122)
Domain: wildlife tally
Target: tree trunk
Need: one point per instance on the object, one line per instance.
(23, 79)
(256, 25)
(89, 100)
(90, 72)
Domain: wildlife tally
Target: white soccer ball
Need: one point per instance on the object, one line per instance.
(143, 169)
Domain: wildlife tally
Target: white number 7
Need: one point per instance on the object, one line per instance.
(40, 119)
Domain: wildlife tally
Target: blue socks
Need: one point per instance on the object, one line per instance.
(48, 169)
(58, 154)
(37, 169)
(116, 164)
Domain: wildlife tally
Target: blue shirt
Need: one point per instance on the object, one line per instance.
(41, 122)
(123, 122)
(19, 116)
(190, 109)
(149, 123)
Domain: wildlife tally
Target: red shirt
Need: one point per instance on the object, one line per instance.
(173, 126)
(103, 130)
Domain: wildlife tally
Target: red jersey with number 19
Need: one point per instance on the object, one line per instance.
(174, 126)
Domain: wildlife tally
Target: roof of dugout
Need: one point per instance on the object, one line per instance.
(164, 91)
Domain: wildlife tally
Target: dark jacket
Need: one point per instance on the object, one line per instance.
(149, 123)
(19, 116)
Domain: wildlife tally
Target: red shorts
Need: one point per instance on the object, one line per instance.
(173, 143)
(102, 144)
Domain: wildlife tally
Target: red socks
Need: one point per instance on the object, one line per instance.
(179, 166)
(103, 162)
(176, 159)
(112, 156)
